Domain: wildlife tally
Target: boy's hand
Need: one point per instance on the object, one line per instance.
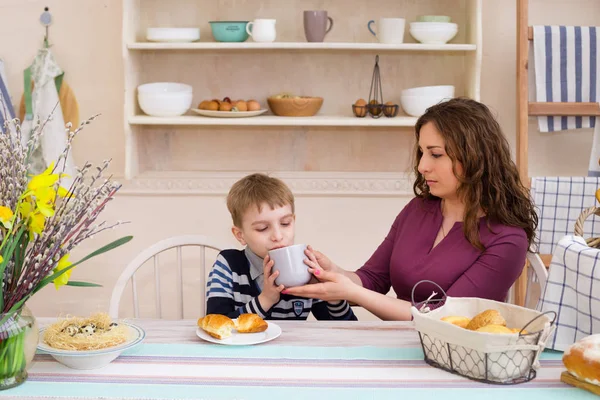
(271, 292)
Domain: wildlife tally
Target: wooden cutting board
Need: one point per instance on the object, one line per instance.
(571, 380)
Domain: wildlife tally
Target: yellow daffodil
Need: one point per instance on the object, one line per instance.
(43, 180)
(6, 215)
(42, 188)
(44, 201)
(1, 259)
(25, 209)
(62, 192)
(64, 278)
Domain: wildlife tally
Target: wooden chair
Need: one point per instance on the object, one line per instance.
(525, 108)
(177, 243)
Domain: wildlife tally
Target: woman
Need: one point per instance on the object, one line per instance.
(468, 229)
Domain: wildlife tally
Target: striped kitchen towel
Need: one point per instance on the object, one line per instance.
(566, 70)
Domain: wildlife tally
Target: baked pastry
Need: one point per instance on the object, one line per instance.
(250, 323)
(494, 329)
(487, 317)
(518, 330)
(582, 359)
(217, 325)
(457, 320)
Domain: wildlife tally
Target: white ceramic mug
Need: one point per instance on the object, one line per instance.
(389, 30)
(289, 261)
(263, 30)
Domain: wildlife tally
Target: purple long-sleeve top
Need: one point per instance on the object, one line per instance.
(406, 257)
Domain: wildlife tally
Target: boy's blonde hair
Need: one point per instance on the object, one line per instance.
(254, 190)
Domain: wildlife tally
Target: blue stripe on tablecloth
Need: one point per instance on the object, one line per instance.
(295, 352)
(288, 352)
(148, 391)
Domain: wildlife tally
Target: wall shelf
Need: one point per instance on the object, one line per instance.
(339, 69)
(300, 46)
(272, 120)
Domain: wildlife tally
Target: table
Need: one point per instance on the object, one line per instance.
(310, 360)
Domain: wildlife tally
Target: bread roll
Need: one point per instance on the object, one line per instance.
(487, 317)
(216, 325)
(494, 329)
(518, 330)
(582, 359)
(457, 320)
(250, 323)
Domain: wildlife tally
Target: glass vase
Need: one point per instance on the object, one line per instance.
(18, 332)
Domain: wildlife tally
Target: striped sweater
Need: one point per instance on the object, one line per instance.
(237, 279)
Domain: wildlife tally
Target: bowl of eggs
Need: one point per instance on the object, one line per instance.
(88, 343)
(228, 108)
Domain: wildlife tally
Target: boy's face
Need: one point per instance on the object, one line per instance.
(266, 229)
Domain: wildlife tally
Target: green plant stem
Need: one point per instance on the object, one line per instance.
(12, 355)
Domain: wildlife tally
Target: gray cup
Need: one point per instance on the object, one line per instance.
(315, 25)
(289, 261)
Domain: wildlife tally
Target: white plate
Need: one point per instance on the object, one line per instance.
(229, 114)
(92, 359)
(244, 339)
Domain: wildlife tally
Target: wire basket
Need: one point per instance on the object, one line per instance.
(504, 359)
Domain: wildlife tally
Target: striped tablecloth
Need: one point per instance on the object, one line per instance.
(310, 360)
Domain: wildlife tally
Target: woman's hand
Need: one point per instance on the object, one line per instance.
(331, 286)
(322, 261)
(271, 292)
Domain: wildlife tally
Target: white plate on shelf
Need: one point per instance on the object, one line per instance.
(228, 114)
(244, 339)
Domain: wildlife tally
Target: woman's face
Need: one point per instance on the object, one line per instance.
(435, 165)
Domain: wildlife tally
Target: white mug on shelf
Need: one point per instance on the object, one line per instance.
(389, 30)
(263, 30)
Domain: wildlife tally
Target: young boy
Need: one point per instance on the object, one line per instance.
(262, 209)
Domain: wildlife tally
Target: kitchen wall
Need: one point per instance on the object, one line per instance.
(86, 38)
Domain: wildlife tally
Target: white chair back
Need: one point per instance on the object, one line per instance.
(537, 275)
(174, 269)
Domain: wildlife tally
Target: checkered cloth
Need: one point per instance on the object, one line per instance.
(573, 292)
(573, 285)
(559, 202)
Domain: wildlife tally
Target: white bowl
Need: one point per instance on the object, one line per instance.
(433, 25)
(172, 34)
(165, 99)
(438, 90)
(92, 359)
(433, 32)
(164, 87)
(416, 101)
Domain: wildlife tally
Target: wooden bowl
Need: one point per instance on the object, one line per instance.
(301, 107)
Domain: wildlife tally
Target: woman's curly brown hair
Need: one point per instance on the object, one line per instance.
(490, 180)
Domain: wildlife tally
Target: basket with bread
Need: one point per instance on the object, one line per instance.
(483, 340)
(221, 326)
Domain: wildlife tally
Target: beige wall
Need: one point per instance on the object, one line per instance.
(87, 42)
